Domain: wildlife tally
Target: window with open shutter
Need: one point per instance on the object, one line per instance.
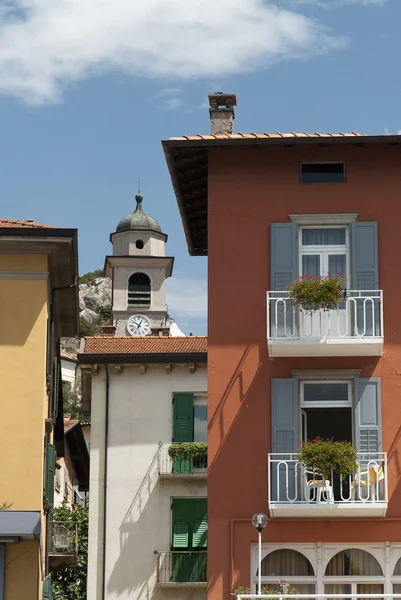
(50, 468)
(57, 384)
(183, 428)
(189, 534)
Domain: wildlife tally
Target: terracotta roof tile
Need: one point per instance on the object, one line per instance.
(261, 136)
(67, 355)
(25, 224)
(145, 345)
(69, 423)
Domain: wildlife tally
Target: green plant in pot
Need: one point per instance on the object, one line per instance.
(317, 292)
(326, 456)
(188, 450)
(282, 588)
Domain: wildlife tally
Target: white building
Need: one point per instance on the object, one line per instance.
(148, 511)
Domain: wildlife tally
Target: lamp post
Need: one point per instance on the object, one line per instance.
(259, 521)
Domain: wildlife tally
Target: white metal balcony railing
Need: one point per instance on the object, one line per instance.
(186, 567)
(295, 491)
(344, 596)
(354, 328)
(180, 467)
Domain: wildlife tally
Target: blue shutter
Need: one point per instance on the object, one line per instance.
(365, 274)
(367, 416)
(283, 270)
(283, 255)
(365, 263)
(285, 435)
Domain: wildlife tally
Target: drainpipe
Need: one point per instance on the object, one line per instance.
(106, 442)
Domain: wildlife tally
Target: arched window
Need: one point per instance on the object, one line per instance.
(397, 578)
(291, 566)
(361, 573)
(139, 290)
(353, 563)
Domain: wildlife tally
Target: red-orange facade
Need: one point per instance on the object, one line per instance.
(249, 188)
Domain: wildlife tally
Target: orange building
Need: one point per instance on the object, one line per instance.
(269, 209)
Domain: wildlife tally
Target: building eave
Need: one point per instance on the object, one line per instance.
(187, 162)
(144, 358)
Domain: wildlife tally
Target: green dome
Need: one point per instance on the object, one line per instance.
(138, 219)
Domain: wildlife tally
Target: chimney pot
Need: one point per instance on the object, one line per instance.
(222, 113)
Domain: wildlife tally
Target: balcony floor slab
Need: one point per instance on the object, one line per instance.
(324, 510)
(326, 347)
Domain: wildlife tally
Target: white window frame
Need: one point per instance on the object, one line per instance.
(325, 251)
(319, 555)
(325, 403)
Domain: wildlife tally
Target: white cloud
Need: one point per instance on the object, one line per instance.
(45, 45)
(173, 103)
(187, 299)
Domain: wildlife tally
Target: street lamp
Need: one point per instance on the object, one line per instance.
(259, 521)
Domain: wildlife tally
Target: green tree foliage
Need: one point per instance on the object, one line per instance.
(89, 277)
(70, 583)
(72, 400)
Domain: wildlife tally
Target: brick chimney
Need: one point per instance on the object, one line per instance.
(222, 113)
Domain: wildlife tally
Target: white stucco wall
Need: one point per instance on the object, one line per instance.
(68, 371)
(138, 501)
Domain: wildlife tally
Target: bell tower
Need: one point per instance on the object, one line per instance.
(138, 269)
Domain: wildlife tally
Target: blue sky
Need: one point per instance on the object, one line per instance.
(88, 90)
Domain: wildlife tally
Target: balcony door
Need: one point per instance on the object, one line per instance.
(326, 412)
(324, 251)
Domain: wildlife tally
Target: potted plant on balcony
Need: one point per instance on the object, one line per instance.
(283, 588)
(317, 292)
(326, 456)
(189, 450)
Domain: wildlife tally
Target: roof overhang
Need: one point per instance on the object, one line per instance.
(144, 358)
(20, 523)
(61, 247)
(187, 161)
(138, 262)
(79, 455)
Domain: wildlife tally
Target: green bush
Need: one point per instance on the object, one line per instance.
(89, 277)
(283, 588)
(312, 292)
(325, 456)
(88, 329)
(188, 450)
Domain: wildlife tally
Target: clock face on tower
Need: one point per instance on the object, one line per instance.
(138, 325)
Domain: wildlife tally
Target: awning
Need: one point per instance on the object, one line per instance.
(18, 523)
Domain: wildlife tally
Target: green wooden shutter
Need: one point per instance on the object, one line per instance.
(47, 593)
(50, 468)
(183, 424)
(199, 524)
(183, 428)
(181, 522)
(56, 384)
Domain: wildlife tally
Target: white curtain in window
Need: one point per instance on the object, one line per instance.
(354, 562)
(286, 563)
(323, 237)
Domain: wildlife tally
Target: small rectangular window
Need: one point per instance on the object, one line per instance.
(330, 172)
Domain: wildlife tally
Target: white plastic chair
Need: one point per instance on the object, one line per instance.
(368, 480)
(320, 485)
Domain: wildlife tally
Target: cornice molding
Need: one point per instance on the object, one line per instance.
(326, 374)
(321, 219)
(43, 275)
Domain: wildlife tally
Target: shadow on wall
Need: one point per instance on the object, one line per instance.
(135, 570)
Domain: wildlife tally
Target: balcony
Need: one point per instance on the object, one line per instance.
(354, 328)
(63, 544)
(181, 569)
(179, 468)
(295, 492)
